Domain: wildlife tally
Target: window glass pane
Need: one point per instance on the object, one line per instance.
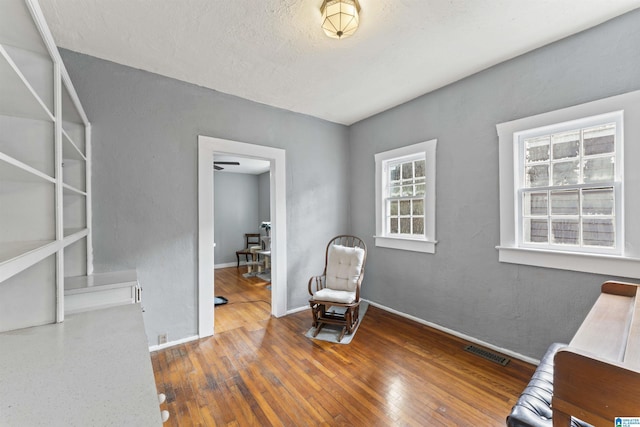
(566, 173)
(420, 189)
(565, 203)
(598, 232)
(536, 149)
(405, 207)
(565, 231)
(407, 170)
(405, 225)
(599, 140)
(393, 225)
(395, 191)
(418, 207)
(535, 203)
(394, 173)
(598, 201)
(407, 190)
(420, 169)
(393, 208)
(566, 145)
(537, 176)
(599, 169)
(536, 230)
(418, 225)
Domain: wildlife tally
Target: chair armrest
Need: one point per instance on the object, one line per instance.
(316, 283)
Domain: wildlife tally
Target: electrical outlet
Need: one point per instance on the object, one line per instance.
(163, 338)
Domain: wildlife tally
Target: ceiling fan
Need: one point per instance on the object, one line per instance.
(219, 168)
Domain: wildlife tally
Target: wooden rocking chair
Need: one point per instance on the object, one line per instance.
(335, 295)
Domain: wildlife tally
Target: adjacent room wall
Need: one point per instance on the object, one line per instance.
(235, 212)
(463, 286)
(145, 130)
(264, 198)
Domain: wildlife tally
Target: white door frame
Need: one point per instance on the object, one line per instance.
(206, 147)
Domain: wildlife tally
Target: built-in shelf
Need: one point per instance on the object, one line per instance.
(101, 290)
(18, 96)
(70, 150)
(18, 29)
(12, 250)
(29, 141)
(17, 256)
(46, 255)
(13, 170)
(37, 70)
(44, 172)
(28, 299)
(72, 191)
(73, 234)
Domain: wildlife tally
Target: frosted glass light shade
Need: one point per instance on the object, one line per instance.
(340, 17)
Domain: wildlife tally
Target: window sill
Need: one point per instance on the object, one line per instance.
(620, 266)
(424, 246)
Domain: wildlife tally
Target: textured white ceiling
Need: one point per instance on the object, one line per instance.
(274, 51)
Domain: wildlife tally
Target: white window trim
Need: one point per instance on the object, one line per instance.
(428, 243)
(627, 264)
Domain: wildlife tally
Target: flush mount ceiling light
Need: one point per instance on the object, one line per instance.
(340, 17)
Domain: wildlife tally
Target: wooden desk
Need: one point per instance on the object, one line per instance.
(597, 377)
(93, 369)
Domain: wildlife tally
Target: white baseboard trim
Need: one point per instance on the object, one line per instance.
(458, 334)
(172, 343)
(297, 310)
(228, 264)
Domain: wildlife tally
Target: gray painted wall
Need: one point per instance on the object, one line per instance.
(144, 169)
(463, 286)
(235, 212)
(145, 130)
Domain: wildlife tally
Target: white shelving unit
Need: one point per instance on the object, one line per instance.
(46, 255)
(45, 179)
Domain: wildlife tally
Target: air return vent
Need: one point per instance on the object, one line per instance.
(494, 357)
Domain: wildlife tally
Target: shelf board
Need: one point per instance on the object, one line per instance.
(17, 28)
(14, 170)
(17, 256)
(82, 284)
(68, 190)
(71, 231)
(72, 235)
(69, 149)
(18, 97)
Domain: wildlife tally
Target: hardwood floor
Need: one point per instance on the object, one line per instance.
(262, 371)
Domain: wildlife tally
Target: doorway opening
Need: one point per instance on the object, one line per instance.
(207, 146)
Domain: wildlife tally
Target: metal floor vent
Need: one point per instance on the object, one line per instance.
(487, 355)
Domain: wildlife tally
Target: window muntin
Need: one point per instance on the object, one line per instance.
(405, 197)
(569, 191)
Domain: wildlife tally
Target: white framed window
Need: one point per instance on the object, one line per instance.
(569, 187)
(405, 197)
(566, 200)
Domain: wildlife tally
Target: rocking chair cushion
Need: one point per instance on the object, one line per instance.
(332, 295)
(343, 267)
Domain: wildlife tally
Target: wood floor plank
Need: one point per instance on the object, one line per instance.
(262, 371)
